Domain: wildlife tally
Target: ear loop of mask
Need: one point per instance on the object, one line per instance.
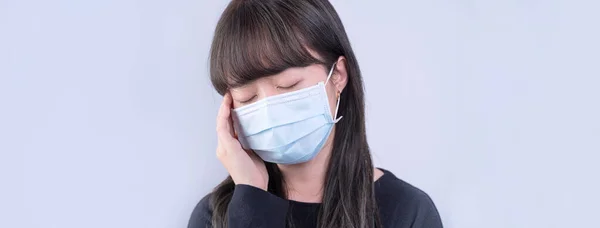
(338, 95)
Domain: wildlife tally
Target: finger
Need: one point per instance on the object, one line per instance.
(225, 129)
(220, 151)
(228, 101)
(224, 119)
(223, 157)
(224, 112)
(253, 155)
(231, 146)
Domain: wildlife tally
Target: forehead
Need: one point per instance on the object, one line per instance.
(313, 72)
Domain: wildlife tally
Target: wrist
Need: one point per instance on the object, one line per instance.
(257, 184)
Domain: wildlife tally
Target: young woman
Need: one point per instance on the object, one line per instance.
(291, 128)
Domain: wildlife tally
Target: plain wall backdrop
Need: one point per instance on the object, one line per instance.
(491, 107)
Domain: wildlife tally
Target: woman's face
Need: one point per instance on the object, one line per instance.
(292, 79)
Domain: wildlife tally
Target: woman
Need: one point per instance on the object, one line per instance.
(288, 75)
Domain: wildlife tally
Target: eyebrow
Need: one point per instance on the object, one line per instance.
(237, 85)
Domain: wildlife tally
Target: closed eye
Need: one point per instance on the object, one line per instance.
(248, 100)
(288, 87)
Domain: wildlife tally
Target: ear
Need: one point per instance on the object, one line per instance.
(340, 75)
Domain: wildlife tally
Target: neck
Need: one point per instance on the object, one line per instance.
(304, 182)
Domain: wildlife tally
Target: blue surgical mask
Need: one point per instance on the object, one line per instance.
(288, 128)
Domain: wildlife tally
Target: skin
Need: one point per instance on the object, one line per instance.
(304, 181)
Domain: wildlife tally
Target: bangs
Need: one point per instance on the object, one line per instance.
(255, 39)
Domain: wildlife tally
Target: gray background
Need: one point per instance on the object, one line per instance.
(107, 114)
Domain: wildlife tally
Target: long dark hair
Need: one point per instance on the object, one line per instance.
(258, 38)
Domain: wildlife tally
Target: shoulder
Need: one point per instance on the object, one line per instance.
(202, 214)
(404, 205)
(393, 189)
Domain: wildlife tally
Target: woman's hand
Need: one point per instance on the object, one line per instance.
(243, 166)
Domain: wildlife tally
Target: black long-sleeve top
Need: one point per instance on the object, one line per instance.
(401, 205)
